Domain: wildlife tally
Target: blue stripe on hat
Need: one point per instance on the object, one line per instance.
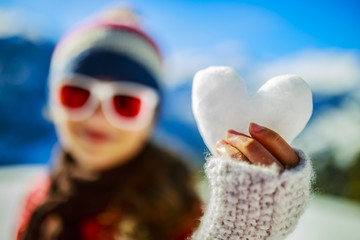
(96, 62)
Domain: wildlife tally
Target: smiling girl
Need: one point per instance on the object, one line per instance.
(112, 182)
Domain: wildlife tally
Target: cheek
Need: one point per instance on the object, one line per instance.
(66, 132)
(122, 146)
(131, 139)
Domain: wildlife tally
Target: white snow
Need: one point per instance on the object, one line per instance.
(326, 217)
(338, 130)
(221, 102)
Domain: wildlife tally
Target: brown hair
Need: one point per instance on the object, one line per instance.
(150, 197)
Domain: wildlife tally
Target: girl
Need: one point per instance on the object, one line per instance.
(111, 182)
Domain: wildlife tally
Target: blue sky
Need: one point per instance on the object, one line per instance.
(269, 26)
(242, 34)
(316, 39)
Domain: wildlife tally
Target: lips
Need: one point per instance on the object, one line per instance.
(95, 135)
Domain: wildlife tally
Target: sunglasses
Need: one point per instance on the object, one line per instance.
(126, 105)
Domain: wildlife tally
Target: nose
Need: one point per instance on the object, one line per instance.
(98, 119)
(98, 112)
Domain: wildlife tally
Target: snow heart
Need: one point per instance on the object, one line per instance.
(220, 102)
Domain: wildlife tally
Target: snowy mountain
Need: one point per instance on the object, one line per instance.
(26, 137)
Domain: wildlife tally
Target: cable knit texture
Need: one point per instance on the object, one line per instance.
(253, 202)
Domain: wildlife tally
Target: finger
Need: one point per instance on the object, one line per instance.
(275, 144)
(252, 149)
(225, 149)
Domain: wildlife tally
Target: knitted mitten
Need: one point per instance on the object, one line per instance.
(253, 202)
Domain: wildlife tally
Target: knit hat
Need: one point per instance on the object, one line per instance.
(112, 46)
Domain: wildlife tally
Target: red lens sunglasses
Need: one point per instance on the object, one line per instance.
(126, 105)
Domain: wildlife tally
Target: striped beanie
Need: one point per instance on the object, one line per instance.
(111, 46)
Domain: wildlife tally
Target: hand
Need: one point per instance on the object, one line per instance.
(264, 147)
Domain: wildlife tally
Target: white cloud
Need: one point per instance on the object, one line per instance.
(19, 22)
(181, 65)
(329, 71)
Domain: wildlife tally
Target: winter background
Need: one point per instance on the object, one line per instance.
(318, 40)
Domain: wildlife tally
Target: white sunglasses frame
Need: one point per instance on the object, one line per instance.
(102, 92)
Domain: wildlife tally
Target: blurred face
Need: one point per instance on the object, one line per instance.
(99, 123)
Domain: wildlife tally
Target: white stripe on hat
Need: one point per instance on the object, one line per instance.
(102, 37)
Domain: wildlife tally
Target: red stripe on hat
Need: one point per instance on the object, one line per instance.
(132, 30)
(95, 23)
